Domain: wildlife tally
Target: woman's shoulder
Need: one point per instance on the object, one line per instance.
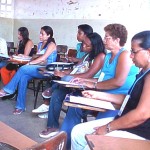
(30, 42)
(100, 55)
(125, 54)
(52, 44)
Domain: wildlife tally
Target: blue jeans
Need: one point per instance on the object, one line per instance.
(20, 81)
(74, 116)
(58, 95)
(3, 63)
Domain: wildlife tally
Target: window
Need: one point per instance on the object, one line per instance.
(6, 8)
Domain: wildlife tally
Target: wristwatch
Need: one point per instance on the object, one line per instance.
(108, 128)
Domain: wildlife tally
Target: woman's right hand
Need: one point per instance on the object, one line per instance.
(59, 73)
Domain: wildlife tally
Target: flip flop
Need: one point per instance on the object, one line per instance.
(2, 94)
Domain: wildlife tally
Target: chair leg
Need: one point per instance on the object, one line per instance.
(37, 91)
(34, 87)
(84, 118)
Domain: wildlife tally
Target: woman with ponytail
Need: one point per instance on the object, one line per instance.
(47, 53)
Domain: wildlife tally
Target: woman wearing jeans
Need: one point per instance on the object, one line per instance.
(133, 120)
(119, 75)
(48, 53)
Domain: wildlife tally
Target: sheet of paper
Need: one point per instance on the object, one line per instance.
(5, 56)
(66, 83)
(61, 63)
(92, 102)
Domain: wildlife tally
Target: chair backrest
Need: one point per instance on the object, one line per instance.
(57, 142)
(72, 53)
(61, 52)
(10, 45)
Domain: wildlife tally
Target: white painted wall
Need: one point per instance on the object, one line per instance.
(65, 15)
(80, 9)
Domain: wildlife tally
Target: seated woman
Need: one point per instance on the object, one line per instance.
(3, 51)
(94, 47)
(48, 53)
(24, 47)
(133, 120)
(83, 31)
(118, 75)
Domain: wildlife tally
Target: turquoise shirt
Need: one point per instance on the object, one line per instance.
(51, 58)
(109, 70)
(80, 54)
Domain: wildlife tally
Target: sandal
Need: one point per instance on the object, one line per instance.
(3, 93)
(17, 111)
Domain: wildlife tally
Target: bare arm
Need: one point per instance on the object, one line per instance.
(28, 48)
(121, 74)
(74, 59)
(42, 58)
(94, 68)
(114, 98)
(135, 117)
(122, 70)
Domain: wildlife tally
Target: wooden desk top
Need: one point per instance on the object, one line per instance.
(83, 106)
(12, 137)
(18, 62)
(99, 142)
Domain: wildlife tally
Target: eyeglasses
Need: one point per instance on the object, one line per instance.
(107, 37)
(135, 52)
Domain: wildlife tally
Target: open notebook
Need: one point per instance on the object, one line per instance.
(70, 84)
(90, 102)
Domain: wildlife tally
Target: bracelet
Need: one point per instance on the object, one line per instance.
(95, 85)
(108, 128)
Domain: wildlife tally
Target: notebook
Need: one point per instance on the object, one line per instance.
(91, 102)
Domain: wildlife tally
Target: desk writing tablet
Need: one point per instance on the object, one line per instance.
(100, 142)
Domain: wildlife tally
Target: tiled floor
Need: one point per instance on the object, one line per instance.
(27, 123)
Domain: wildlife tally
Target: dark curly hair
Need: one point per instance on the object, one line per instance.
(117, 31)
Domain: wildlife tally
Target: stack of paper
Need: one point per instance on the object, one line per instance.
(70, 84)
(21, 57)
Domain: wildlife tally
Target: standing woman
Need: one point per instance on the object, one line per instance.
(47, 49)
(24, 47)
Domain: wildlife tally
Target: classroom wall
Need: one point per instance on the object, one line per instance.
(6, 28)
(65, 15)
(65, 30)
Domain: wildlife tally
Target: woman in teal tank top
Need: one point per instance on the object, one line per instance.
(116, 70)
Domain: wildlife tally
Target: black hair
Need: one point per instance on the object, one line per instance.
(25, 35)
(87, 29)
(49, 31)
(97, 45)
(144, 37)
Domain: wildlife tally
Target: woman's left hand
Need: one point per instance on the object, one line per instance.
(83, 82)
(88, 84)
